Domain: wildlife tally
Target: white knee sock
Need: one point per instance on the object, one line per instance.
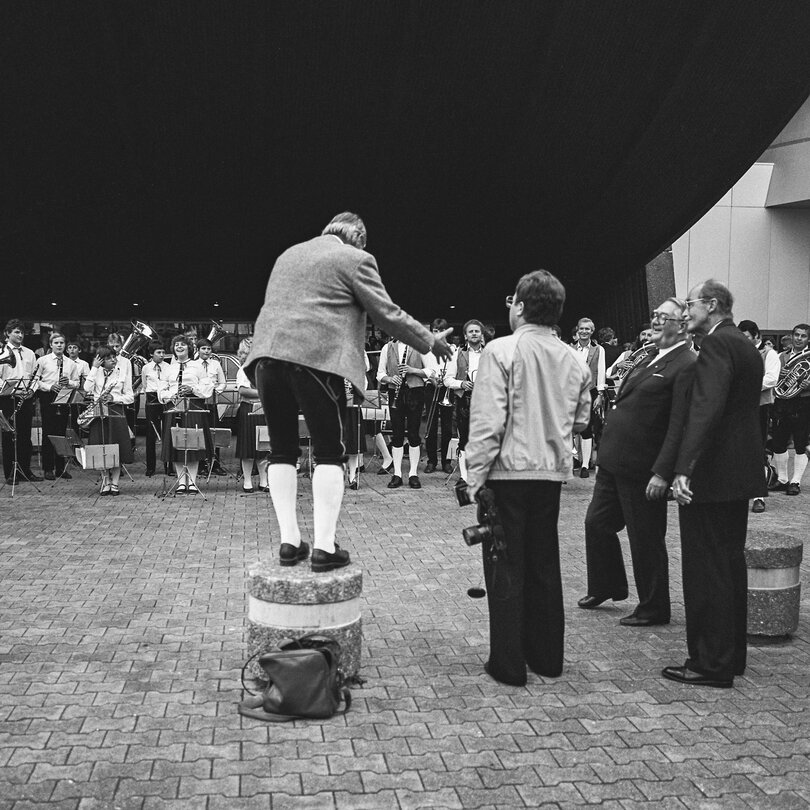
(799, 466)
(352, 466)
(247, 473)
(414, 454)
(587, 445)
(283, 483)
(781, 462)
(262, 465)
(379, 441)
(462, 465)
(398, 453)
(327, 496)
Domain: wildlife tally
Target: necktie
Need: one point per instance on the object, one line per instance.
(180, 375)
(205, 365)
(157, 369)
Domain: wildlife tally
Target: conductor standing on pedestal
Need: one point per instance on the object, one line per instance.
(309, 336)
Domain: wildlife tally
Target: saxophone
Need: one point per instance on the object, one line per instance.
(796, 372)
(95, 410)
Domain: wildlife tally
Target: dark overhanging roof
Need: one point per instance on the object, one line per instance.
(169, 151)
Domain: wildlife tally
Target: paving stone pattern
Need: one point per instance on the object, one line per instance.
(123, 630)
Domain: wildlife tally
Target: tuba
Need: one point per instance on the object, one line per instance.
(217, 332)
(141, 335)
(796, 371)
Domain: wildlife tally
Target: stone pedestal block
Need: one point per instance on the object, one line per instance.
(773, 559)
(287, 602)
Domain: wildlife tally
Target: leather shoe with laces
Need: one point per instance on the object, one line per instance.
(324, 561)
(291, 555)
(414, 482)
(447, 468)
(385, 470)
(395, 482)
(49, 476)
(758, 506)
(637, 621)
(430, 467)
(589, 602)
(32, 476)
(778, 486)
(793, 488)
(688, 676)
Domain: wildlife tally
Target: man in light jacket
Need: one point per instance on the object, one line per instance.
(531, 394)
(309, 337)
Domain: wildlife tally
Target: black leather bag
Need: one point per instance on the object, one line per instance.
(303, 681)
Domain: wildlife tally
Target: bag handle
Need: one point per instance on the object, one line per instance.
(242, 673)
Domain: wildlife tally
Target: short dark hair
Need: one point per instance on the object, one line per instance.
(439, 323)
(473, 322)
(605, 334)
(204, 342)
(349, 228)
(543, 297)
(13, 324)
(104, 352)
(712, 288)
(179, 339)
(748, 326)
(154, 346)
(804, 326)
(644, 327)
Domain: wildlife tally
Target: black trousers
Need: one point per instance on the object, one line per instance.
(526, 616)
(154, 424)
(618, 503)
(442, 420)
(463, 420)
(54, 423)
(284, 389)
(406, 417)
(715, 586)
(791, 420)
(25, 417)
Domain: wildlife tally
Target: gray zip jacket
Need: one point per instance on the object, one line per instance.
(529, 391)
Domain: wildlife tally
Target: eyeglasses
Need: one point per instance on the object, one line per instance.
(510, 299)
(661, 317)
(691, 301)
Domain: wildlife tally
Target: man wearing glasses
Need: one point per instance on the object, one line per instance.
(718, 470)
(636, 465)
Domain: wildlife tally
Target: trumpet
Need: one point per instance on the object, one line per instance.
(637, 357)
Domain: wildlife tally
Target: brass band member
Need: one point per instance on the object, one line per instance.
(22, 402)
(115, 341)
(402, 369)
(54, 372)
(792, 417)
(441, 414)
(461, 382)
(111, 391)
(184, 381)
(152, 375)
(770, 377)
(594, 358)
(213, 371)
(247, 422)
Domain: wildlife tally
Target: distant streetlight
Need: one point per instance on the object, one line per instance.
(53, 303)
(216, 303)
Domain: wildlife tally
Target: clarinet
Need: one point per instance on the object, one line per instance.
(398, 387)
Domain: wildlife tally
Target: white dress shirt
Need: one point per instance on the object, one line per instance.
(213, 370)
(47, 370)
(193, 376)
(116, 384)
(24, 369)
(151, 375)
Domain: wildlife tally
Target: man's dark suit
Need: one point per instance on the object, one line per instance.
(641, 437)
(721, 453)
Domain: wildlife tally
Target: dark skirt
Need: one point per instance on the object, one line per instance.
(186, 419)
(246, 425)
(351, 427)
(113, 429)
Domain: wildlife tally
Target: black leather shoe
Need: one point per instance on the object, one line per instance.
(149, 473)
(31, 476)
(793, 488)
(66, 476)
(778, 486)
(10, 481)
(430, 467)
(353, 484)
(504, 680)
(589, 602)
(395, 482)
(687, 676)
(583, 472)
(218, 470)
(324, 561)
(635, 621)
(290, 555)
(248, 490)
(385, 470)
(49, 476)
(447, 468)
(758, 506)
(414, 482)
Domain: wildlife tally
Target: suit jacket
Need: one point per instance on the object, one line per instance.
(643, 432)
(721, 450)
(315, 309)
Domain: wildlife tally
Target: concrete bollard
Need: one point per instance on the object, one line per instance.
(773, 559)
(288, 602)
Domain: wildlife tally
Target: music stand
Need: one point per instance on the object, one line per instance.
(9, 389)
(186, 439)
(220, 437)
(64, 448)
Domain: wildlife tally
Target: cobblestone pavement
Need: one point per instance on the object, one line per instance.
(122, 633)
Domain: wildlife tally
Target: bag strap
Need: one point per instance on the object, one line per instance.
(347, 699)
(242, 674)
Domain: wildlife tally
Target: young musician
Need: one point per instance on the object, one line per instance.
(353, 436)
(403, 370)
(115, 341)
(440, 415)
(247, 423)
(22, 401)
(213, 371)
(111, 390)
(73, 350)
(54, 372)
(461, 383)
(594, 358)
(184, 384)
(151, 377)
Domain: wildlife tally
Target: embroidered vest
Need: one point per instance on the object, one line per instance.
(412, 358)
